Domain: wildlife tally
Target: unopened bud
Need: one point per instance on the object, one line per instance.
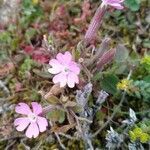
(95, 25)
(106, 58)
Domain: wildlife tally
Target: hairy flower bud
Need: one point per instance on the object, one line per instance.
(106, 58)
(95, 24)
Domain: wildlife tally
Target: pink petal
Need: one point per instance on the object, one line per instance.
(23, 108)
(67, 57)
(117, 6)
(73, 66)
(72, 79)
(64, 59)
(37, 108)
(114, 3)
(54, 62)
(21, 123)
(56, 66)
(60, 78)
(60, 58)
(32, 131)
(54, 70)
(42, 123)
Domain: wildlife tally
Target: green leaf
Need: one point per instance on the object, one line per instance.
(120, 68)
(57, 115)
(26, 67)
(122, 53)
(5, 37)
(109, 82)
(42, 74)
(134, 5)
(30, 33)
(77, 109)
(146, 43)
(97, 76)
(147, 79)
(53, 100)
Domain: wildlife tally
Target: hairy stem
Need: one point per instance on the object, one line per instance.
(114, 113)
(99, 52)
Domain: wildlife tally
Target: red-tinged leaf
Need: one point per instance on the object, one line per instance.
(39, 54)
(85, 12)
(104, 110)
(40, 57)
(29, 49)
(61, 11)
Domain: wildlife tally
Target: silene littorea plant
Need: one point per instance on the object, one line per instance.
(69, 71)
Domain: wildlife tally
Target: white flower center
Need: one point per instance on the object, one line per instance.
(32, 117)
(65, 69)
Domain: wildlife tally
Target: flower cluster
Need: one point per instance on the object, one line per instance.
(124, 84)
(138, 134)
(32, 119)
(66, 70)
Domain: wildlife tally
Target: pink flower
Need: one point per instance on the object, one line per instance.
(66, 70)
(32, 121)
(114, 3)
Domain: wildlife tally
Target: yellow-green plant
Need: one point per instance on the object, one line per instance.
(138, 134)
